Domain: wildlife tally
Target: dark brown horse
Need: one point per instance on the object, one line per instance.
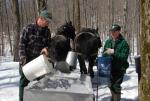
(87, 43)
(60, 44)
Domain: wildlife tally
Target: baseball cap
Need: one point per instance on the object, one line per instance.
(115, 27)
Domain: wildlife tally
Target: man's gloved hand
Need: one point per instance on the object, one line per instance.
(109, 51)
(23, 61)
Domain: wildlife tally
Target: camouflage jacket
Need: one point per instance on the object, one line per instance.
(32, 40)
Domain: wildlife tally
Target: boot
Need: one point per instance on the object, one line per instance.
(117, 97)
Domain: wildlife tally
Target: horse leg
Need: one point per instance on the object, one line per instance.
(91, 60)
(83, 69)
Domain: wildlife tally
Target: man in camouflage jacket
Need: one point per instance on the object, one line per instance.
(34, 41)
(118, 48)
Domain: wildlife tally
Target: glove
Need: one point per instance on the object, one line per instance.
(23, 61)
(109, 51)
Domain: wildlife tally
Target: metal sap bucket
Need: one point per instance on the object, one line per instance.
(37, 67)
(72, 59)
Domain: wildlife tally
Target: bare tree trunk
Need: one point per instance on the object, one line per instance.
(30, 13)
(112, 12)
(127, 35)
(2, 27)
(138, 25)
(25, 12)
(145, 51)
(17, 29)
(35, 11)
(8, 30)
(125, 18)
(85, 11)
(77, 15)
(2, 48)
(73, 11)
(92, 13)
(65, 4)
(41, 5)
(21, 14)
(97, 15)
(67, 10)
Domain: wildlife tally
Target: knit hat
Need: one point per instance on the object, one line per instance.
(45, 14)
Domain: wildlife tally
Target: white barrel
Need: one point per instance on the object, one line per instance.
(37, 67)
(71, 58)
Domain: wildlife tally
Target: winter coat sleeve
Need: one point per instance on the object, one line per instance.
(23, 43)
(108, 44)
(48, 38)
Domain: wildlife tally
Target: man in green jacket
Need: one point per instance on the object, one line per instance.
(116, 47)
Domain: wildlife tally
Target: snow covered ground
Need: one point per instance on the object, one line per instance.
(9, 81)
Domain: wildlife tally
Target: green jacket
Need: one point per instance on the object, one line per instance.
(121, 52)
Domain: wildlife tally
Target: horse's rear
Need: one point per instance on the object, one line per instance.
(59, 48)
(60, 43)
(87, 43)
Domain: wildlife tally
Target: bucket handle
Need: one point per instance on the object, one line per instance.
(51, 61)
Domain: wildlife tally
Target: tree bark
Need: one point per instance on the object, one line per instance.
(77, 16)
(112, 12)
(16, 29)
(41, 5)
(2, 35)
(138, 25)
(8, 30)
(145, 51)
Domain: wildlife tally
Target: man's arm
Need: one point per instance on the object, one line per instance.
(22, 46)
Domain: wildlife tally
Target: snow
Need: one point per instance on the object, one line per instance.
(9, 82)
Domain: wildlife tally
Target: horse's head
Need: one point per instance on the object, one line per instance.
(67, 30)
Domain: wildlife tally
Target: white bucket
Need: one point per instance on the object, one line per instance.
(71, 58)
(37, 67)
